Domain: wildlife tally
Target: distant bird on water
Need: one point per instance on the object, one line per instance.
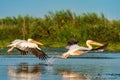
(28, 46)
(74, 49)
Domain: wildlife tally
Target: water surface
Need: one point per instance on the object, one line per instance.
(90, 66)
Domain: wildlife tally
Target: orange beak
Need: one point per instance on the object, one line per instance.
(36, 42)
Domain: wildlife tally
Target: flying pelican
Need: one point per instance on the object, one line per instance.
(27, 46)
(74, 49)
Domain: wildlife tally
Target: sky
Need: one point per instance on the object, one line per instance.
(39, 8)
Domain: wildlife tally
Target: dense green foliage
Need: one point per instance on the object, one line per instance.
(56, 28)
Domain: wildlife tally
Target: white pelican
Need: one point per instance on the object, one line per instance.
(74, 49)
(27, 46)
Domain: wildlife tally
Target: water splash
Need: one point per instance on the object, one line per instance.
(50, 61)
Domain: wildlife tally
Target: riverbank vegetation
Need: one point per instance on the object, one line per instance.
(56, 28)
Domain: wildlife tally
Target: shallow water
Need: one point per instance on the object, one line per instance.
(90, 66)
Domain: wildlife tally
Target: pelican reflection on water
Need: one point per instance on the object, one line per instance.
(25, 72)
(74, 49)
(66, 75)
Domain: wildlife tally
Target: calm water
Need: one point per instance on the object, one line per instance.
(91, 66)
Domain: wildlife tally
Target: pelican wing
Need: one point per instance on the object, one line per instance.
(78, 48)
(38, 53)
(15, 42)
(83, 49)
(18, 40)
(25, 47)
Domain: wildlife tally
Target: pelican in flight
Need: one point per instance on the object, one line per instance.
(28, 46)
(74, 49)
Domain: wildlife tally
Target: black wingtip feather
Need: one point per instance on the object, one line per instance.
(38, 53)
(101, 47)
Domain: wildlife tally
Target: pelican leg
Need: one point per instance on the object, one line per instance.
(67, 55)
(63, 57)
(9, 50)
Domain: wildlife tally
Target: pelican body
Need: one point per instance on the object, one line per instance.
(74, 49)
(27, 46)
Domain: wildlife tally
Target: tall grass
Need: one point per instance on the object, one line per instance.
(56, 28)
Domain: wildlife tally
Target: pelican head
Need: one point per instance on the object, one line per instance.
(91, 42)
(33, 41)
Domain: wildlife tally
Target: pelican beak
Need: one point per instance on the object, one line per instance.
(96, 43)
(36, 42)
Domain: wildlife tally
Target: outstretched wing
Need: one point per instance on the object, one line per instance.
(15, 42)
(25, 47)
(38, 53)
